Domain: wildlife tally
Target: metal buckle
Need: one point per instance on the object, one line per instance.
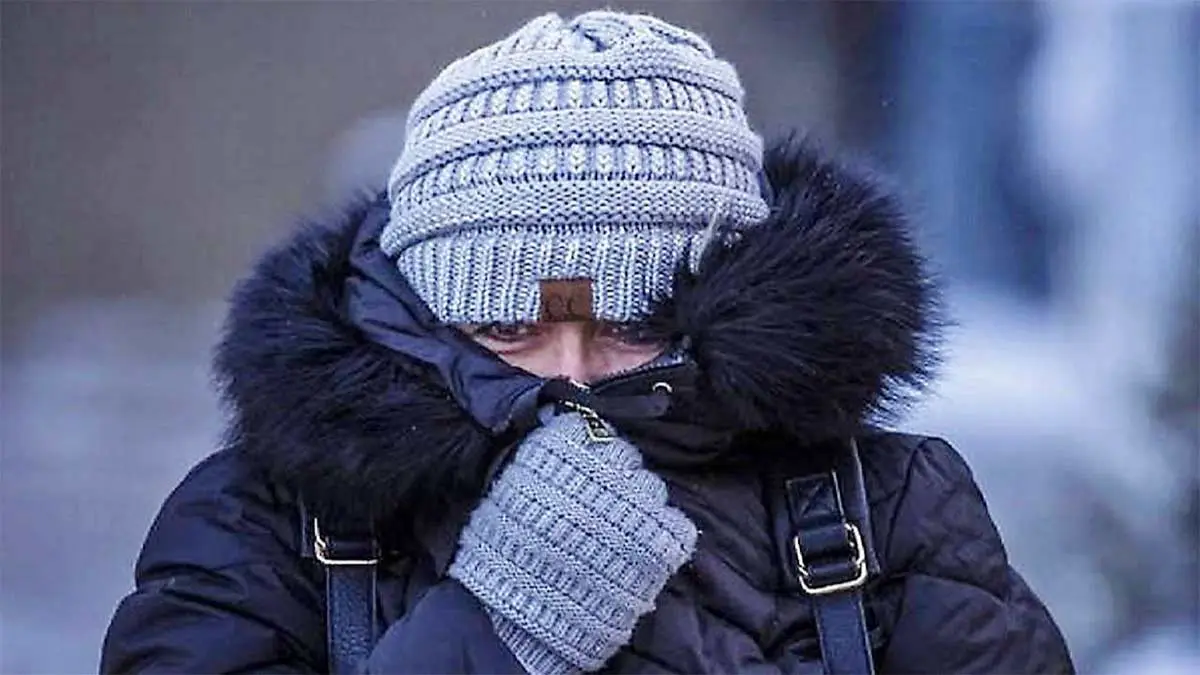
(860, 561)
(321, 549)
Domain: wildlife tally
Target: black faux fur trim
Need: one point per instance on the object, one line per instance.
(358, 430)
(810, 324)
(819, 320)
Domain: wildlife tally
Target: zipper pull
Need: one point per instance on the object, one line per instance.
(597, 429)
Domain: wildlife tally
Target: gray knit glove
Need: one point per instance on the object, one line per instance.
(571, 546)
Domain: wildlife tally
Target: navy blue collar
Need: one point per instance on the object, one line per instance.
(381, 304)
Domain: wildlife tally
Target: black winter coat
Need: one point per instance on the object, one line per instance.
(801, 332)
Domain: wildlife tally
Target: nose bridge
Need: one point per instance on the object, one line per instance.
(573, 358)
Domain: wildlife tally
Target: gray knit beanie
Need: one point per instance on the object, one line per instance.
(606, 148)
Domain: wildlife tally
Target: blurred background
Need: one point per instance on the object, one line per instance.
(1048, 151)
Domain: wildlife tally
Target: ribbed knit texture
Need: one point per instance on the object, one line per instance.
(572, 545)
(601, 147)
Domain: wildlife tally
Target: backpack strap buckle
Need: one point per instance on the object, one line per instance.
(350, 559)
(832, 576)
(827, 553)
(340, 552)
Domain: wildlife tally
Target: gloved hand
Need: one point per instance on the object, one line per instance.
(572, 544)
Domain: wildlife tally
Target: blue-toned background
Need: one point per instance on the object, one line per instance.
(1049, 152)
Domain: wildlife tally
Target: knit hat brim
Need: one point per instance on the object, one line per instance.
(495, 275)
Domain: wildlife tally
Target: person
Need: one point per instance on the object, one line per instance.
(580, 375)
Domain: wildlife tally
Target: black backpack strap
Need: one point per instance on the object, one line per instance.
(350, 560)
(830, 556)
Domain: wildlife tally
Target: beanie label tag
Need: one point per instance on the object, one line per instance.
(566, 300)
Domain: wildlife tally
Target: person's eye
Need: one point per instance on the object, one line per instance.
(502, 332)
(632, 334)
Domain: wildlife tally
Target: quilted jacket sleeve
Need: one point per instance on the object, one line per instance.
(964, 609)
(219, 588)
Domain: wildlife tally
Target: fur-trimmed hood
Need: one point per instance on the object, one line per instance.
(817, 321)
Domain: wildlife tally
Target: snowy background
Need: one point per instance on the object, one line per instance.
(1049, 151)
